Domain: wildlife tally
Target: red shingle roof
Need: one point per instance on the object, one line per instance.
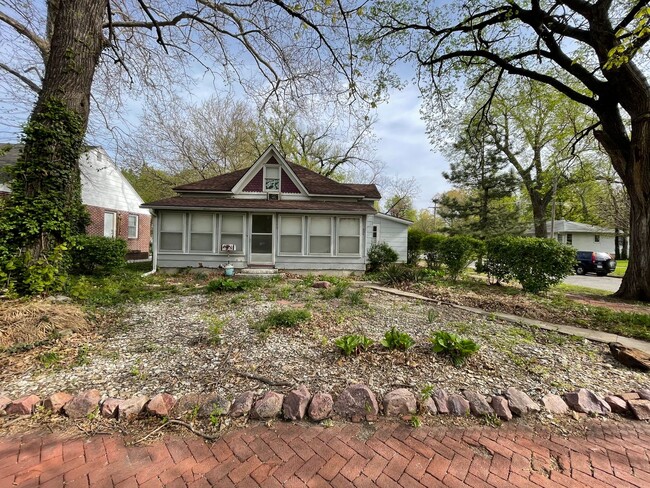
(247, 204)
(217, 183)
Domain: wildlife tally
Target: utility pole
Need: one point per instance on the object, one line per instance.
(435, 202)
(553, 207)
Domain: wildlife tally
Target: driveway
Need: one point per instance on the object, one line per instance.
(607, 283)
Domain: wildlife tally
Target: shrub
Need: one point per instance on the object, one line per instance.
(536, 263)
(431, 245)
(353, 344)
(98, 255)
(401, 273)
(283, 318)
(414, 245)
(395, 339)
(355, 298)
(381, 255)
(230, 285)
(457, 252)
(457, 348)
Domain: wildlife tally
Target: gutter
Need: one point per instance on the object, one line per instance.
(154, 247)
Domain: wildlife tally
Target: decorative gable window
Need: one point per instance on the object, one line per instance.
(272, 178)
(320, 235)
(171, 231)
(349, 235)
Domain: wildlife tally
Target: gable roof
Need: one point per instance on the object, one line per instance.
(314, 183)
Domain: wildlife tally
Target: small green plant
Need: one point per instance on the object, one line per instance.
(395, 339)
(415, 422)
(353, 344)
(336, 291)
(396, 273)
(432, 315)
(82, 358)
(215, 416)
(49, 359)
(426, 392)
(137, 371)
(215, 329)
(457, 348)
(355, 298)
(283, 319)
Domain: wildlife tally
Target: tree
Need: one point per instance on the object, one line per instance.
(480, 170)
(400, 202)
(290, 45)
(565, 45)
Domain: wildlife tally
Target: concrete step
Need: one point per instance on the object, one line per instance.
(258, 272)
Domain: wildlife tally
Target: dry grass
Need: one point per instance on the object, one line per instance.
(28, 322)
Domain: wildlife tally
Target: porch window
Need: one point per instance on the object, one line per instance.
(320, 235)
(272, 178)
(290, 235)
(349, 236)
(171, 232)
(569, 239)
(201, 232)
(232, 231)
(133, 227)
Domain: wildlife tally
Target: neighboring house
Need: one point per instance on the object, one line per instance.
(583, 237)
(274, 214)
(114, 206)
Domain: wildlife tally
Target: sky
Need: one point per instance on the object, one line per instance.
(405, 147)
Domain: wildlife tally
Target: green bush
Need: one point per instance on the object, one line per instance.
(381, 255)
(414, 245)
(97, 255)
(457, 252)
(353, 344)
(536, 263)
(283, 319)
(230, 285)
(431, 245)
(396, 273)
(394, 339)
(457, 348)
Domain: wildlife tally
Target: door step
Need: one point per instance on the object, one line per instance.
(258, 272)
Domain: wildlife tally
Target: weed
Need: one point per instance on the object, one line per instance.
(426, 392)
(355, 298)
(457, 348)
(283, 319)
(491, 420)
(353, 344)
(432, 315)
(215, 329)
(415, 422)
(215, 416)
(225, 285)
(137, 371)
(519, 333)
(49, 359)
(394, 339)
(82, 358)
(336, 291)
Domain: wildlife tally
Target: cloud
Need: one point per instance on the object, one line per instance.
(405, 147)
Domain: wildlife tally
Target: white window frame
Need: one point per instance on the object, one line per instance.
(279, 178)
(137, 225)
(183, 249)
(569, 239)
(189, 233)
(377, 239)
(309, 235)
(302, 236)
(114, 230)
(244, 241)
(338, 236)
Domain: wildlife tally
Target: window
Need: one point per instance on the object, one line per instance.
(171, 231)
(559, 238)
(232, 231)
(133, 227)
(272, 178)
(201, 232)
(290, 235)
(596, 238)
(110, 224)
(569, 239)
(375, 234)
(349, 236)
(320, 235)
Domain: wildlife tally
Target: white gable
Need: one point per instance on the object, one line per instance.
(103, 185)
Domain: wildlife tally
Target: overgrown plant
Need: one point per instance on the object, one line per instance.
(283, 319)
(353, 344)
(457, 252)
(380, 255)
(431, 245)
(395, 339)
(397, 273)
(457, 348)
(98, 255)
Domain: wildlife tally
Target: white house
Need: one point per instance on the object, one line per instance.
(584, 237)
(273, 214)
(114, 206)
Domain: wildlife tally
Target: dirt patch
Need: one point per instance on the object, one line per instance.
(610, 303)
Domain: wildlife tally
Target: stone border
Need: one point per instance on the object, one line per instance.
(356, 403)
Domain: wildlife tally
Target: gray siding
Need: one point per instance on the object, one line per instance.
(393, 233)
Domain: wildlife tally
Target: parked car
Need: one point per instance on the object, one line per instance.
(600, 263)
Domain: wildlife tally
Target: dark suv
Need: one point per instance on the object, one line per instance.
(600, 263)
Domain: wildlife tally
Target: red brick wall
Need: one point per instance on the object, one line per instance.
(96, 227)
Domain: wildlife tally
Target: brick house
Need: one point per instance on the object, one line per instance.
(274, 214)
(111, 201)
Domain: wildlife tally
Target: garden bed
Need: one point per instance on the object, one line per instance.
(173, 345)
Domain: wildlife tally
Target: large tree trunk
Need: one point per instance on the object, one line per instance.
(53, 143)
(539, 215)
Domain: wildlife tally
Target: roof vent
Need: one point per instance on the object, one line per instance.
(272, 196)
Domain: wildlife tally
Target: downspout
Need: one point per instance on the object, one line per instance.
(154, 246)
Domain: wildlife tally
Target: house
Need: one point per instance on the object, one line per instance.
(584, 237)
(273, 214)
(111, 201)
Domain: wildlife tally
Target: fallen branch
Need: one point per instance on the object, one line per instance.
(183, 424)
(263, 379)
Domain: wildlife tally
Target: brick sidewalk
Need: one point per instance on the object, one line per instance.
(386, 455)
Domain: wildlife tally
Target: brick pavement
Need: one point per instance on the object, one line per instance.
(608, 454)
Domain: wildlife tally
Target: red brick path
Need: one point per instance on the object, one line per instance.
(385, 455)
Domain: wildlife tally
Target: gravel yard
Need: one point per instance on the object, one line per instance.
(165, 346)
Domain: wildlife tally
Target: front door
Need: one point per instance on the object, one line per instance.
(261, 241)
